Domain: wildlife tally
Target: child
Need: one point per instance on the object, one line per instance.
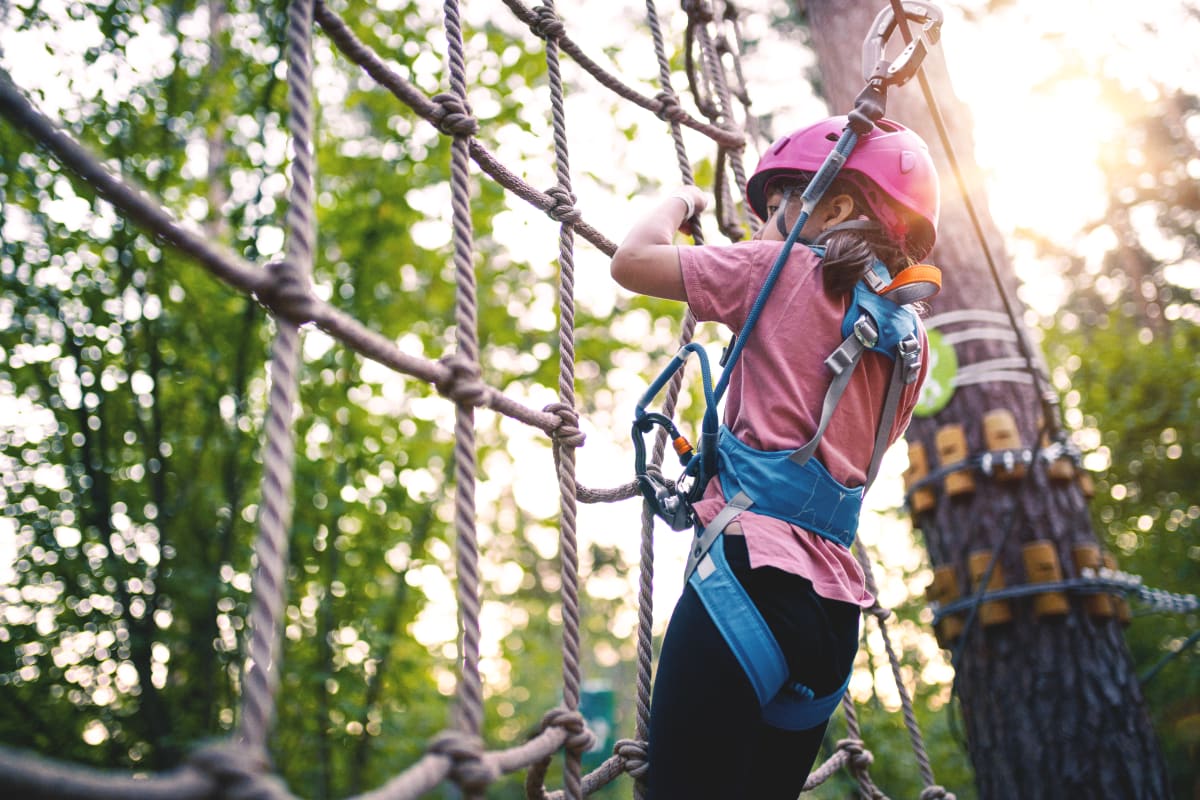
(711, 735)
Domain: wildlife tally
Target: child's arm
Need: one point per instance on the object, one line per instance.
(647, 262)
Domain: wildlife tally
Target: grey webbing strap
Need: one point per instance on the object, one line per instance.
(703, 540)
(842, 362)
(904, 372)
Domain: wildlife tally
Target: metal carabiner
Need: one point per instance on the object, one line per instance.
(876, 68)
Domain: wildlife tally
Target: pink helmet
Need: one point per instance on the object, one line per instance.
(890, 166)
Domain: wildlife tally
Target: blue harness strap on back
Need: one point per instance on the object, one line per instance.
(804, 494)
(786, 705)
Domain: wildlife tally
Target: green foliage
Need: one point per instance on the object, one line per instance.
(136, 385)
(1127, 341)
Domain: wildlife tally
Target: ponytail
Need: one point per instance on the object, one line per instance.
(847, 257)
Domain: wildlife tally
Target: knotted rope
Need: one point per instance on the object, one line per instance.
(458, 754)
(274, 521)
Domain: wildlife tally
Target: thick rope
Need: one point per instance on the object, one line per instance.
(645, 632)
(458, 754)
(714, 75)
(549, 27)
(466, 360)
(910, 718)
(293, 276)
(658, 105)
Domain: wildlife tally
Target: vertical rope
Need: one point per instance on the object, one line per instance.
(293, 275)
(714, 73)
(645, 633)
(550, 29)
(466, 360)
(669, 98)
(910, 719)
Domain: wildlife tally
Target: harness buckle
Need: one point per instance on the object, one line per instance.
(865, 331)
(908, 351)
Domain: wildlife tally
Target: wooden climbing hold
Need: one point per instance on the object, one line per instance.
(1041, 566)
(1124, 615)
(1000, 433)
(944, 590)
(922, 499)
(1087, 556)
(1061, 469)
(993, 612)
(951, 444)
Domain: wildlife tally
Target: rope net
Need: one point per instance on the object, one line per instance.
(241, 767)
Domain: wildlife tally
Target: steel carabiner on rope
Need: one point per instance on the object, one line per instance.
(876, 68)
(673, 505)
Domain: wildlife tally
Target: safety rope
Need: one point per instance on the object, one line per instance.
(1046, 395)
(457, 754)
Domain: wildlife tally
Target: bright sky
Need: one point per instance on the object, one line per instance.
(1037, 142)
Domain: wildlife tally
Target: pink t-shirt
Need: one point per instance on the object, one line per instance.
(778, 386)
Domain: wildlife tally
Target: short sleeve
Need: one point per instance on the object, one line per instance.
(718, 279)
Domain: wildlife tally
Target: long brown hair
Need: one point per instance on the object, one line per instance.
(848, 253)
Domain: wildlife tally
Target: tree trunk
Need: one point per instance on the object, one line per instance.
(1051, 704)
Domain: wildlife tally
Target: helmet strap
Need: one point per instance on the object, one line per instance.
(781, 213)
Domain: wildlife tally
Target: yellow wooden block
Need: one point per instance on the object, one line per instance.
(1041, 566)
(923, 499)
(1000, 433)
(951, 442)
(1087, 556)
(993, 612)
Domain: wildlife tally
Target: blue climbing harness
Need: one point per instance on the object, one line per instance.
(790, 484)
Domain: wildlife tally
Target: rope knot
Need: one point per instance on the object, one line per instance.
(566, 432)
(936, 792)
(452, 117)
(238, 771)
(634, 756)
(579, 737)
(290, 293)
(462, 383)
(698, 10)
(669, 109)
(563, 207)
(468, 766)
(858, 755)
(547, 25)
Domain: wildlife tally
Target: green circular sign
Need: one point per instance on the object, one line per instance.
(939, 383)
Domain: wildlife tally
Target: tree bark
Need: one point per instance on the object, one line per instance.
(1051, 705)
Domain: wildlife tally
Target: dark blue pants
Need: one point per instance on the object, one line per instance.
(707, 736)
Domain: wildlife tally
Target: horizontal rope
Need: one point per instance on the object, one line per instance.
(240, 274)
(664, 107)
(1090, 583)
(989, 461)
(373, 64)
(228, 770)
